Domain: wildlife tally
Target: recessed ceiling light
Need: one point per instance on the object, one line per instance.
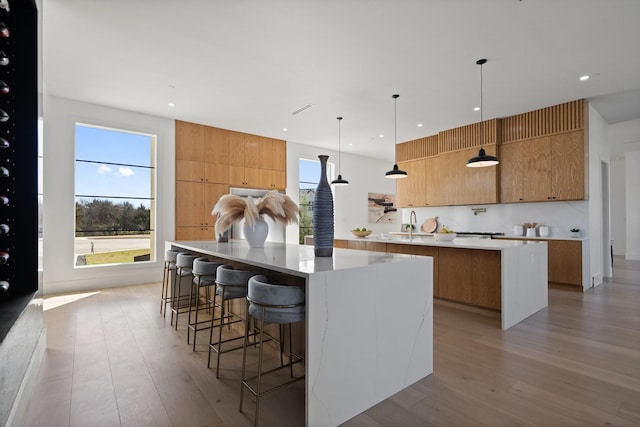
(419, 125)
(171, 104)
(285, 129)
(476, 108)
(350, 145)
(585, 77)
(381, 136)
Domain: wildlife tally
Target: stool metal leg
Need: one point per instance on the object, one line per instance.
(213, 319)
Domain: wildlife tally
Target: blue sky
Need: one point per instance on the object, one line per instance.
(129, 179)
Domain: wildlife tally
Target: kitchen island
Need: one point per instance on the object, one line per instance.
(509, 276)
(360, 348)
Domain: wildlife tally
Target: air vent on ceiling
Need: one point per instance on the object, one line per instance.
(300, 110)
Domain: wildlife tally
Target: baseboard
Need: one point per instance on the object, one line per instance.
(18, 413)
(632, 256)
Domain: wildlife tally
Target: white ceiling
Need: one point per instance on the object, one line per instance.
(247, 65)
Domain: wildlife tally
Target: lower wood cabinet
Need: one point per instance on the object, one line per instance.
(564, 260)
(469, 276)
(194, 202)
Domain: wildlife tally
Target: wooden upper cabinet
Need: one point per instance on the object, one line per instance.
(189, 141)
(568, 161)
(460, 185)
(279, 150)
(524, 170)
(543, 169)
(432, 181)
(419, 187)
(257, 162)
(202, 153)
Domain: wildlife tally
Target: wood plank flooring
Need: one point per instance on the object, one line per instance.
(112, 360)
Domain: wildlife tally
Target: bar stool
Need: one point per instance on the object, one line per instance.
(169, 265)
(204, 276)
(277, 304)
(184, 268)
(230, 284)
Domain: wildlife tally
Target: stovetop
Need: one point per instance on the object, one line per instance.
(478, 233)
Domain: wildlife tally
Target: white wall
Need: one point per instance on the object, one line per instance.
(364, 174)
(560, 216)
(60, 116)
(625, 199)
(632, 168)
(598, 153)
(619, 206)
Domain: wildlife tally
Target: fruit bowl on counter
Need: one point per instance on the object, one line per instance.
(444, 235)
(361, 232)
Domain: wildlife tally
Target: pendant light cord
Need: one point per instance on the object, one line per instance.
(339, 148)
(395, 128)
(481, 62)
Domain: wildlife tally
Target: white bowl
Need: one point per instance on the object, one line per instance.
(444, 237)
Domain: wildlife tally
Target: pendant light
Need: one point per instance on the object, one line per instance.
(339, 181)
(395, 173)
(482, 159)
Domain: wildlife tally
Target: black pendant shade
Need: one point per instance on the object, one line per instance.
(482, 160)
(396, 172)
(339, 181)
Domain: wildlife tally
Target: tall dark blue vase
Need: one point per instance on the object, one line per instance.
(323, 214)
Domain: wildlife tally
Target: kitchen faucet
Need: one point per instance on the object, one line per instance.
(412, 220)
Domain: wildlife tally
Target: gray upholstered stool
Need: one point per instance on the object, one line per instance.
(230, 284)
(179, 301)
(270, 303)
(169, 265)
(204, 276)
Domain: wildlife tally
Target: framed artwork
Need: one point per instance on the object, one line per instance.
(382, 208)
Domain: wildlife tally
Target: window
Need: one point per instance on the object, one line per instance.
(114, 196)
(308, 179)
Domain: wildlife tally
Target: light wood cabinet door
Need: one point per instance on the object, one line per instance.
(454, 272)
(460, 185)
(486, 278)
(236, 149)
(568, 160)
(418, 183)
(216, 146)
(279, 150)
(189, 204)
(189, 141)
(403, 186)
(525, 171)
(565, 261)
(432, 182)
(189, 170)
(195, 201)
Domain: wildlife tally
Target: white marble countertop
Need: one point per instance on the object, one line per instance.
(511, 236)
(458, 242)
(297, 260)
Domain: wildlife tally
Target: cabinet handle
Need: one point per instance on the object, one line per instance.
(549, 197)
(520, 199)
(201, 179)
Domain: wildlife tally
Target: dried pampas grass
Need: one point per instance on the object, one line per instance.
(231, 209)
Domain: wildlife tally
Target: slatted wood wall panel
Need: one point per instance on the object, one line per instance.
(469, 136)
(417, 148)
(546, 121)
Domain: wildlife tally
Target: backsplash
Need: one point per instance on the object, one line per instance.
(560, 217)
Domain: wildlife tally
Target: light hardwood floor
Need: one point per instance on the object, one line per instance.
(112, 360)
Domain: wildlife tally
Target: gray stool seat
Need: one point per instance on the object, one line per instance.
(184, 267)
(204, 276)
(276, 303)
(230, 284)
(271, 303)
(170, 258)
